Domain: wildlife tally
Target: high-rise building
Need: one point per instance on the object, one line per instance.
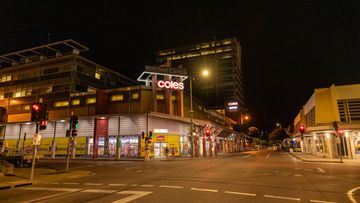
(222, 58)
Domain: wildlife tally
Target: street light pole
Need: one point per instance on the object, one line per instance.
(191, 120)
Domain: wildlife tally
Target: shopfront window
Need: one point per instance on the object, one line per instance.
(357, 143)
(129, 146)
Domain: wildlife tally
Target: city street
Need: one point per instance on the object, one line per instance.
(264, 176)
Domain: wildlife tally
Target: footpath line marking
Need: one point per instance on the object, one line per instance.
(56, 189)
(240, 193)
(172, 186)
(320, 201)
(147, 185)
(119, 184)
(321, 170)
(98, 191)
(268, 156)
(134, 195)
(70, 183)
(280, 197)
(350, 194)
(204, 190)
(93, 184)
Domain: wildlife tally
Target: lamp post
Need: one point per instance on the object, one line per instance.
(191, 120)
(204, 73)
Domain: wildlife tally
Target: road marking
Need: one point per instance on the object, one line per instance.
(248, 155)
(280, 197)
(268, 156)
(240, 193)
(298, 168)
(134, 185)
(308, 169)
(134, 195)
(204, 190)
(55, 183)
(319, 201)
(118, 184)
(320, 170)
(70, 183)
(58, 189)
(138, 171)
(299, 175)
(172, 186)
(90, 165)
(47, 197)
(350, 194)
(147, 185)
(92, 183)
(98, 191)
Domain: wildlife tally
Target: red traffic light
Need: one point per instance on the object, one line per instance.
(302, 129)
(35, 107)
(207, 132)
(44, 122)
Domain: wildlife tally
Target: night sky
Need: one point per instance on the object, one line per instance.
(288, 47)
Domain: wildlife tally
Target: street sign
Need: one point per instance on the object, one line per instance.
(36, 139)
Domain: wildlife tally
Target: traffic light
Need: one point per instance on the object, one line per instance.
(38, 112)
(73, 133)
(74, 122)
(148, 140)
(67, 133)
(43, 124)
(207, 132)
(143, 135)
(335, 126)
(302, 129)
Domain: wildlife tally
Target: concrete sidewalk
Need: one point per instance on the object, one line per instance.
(21, 176)
(312, 158)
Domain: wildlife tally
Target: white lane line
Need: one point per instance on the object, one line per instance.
(268, 156)
(55, 183)
(350, 194)
(134, 195)
(92, 183)
(280, 197)
(70, 183)
(321, 170)
(134, 185)
(147, 185)
(120, 184)
(299, 175)
(240, 193)
(98, 191)
(308, 169)
(138, 171)
(248, 155)
(204, 190)
(57, 189)
(172, 186)
(320, 201)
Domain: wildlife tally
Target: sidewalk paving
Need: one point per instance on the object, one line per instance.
(21, 176)
(312, 158)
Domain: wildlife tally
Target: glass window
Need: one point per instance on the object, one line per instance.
(61, 104)
(91, 100)
(160, 96)
(118, 97)
(173, 97)
(135, 95)
(75, 102)
(26, 107)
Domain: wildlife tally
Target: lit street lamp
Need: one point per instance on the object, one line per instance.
(204, 73)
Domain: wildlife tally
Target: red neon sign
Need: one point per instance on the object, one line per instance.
(170, 85)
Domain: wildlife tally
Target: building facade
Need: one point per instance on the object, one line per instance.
(223, 60)
(113, 114)
(340, 104)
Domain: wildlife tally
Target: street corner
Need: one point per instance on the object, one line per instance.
(62, 175)
(14, 184)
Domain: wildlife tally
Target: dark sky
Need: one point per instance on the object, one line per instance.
(288, 47)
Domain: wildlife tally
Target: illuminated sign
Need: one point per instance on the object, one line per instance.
(161, 131)
(170, 85)
(232, 106)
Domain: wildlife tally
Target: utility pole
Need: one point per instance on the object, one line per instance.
(191, 120)
(34, 153)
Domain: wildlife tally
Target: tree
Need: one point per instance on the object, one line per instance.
(278, 134)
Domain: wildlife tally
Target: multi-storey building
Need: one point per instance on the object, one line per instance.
(340, 104)
(223, 60)
(110, 108)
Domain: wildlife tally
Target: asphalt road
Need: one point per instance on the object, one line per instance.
(264, 176)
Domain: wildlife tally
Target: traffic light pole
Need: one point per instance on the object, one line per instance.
(34, 155)
(68, 147)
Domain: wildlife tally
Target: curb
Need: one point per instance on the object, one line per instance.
(309, 160)
(14, 184)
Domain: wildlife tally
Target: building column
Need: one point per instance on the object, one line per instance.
(154, 92)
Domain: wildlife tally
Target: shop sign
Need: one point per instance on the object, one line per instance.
(160, 138)
(233, 105)
(170, 85)
(161, 131)
(36, 139)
